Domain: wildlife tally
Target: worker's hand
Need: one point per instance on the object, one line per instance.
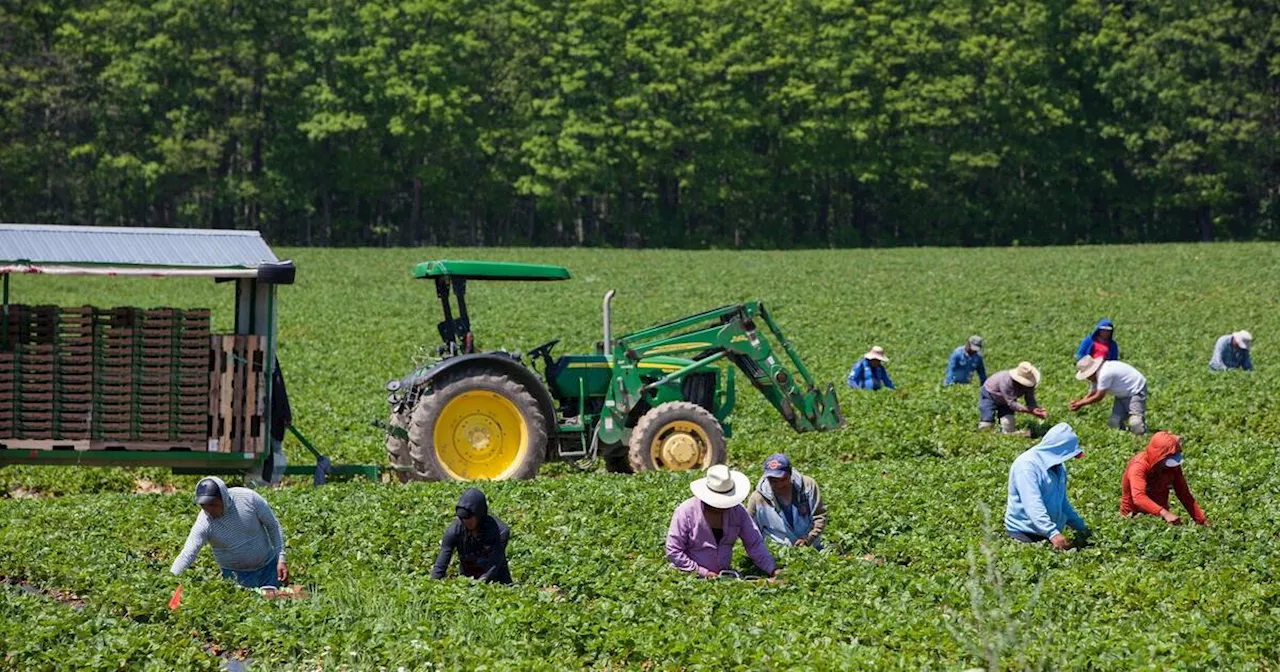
(774, 573)
(801, 542)
(1170, 518)
(282, 573)
(1075, 405)
(1060, 542)
(1040, 413)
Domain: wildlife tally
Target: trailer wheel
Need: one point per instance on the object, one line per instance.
(676, 436)
(478, 426)
(398, 451)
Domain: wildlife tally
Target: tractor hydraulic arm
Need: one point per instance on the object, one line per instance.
(729, 332)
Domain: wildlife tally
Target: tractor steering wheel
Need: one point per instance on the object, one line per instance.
(543, 351)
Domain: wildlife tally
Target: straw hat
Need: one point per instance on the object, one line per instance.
(721, 488)
(1025, 375)
(1087, 366)
(876, 352)
(1243, 339)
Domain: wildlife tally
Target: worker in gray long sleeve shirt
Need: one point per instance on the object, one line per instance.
(243, 532)
(998, 397)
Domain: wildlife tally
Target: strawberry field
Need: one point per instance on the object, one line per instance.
(918, 573)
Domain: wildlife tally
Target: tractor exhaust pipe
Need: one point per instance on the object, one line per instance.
(608, 322)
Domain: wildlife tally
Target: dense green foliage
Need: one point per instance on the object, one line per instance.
(909, 482)
(624, 123)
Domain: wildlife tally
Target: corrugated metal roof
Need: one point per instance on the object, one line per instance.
(204, 248)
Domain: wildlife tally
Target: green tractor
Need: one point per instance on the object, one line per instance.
(652, 399)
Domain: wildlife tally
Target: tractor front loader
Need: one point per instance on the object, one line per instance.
(675, 434)
(658, 398)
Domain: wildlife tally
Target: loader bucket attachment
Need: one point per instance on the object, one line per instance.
(830, 416)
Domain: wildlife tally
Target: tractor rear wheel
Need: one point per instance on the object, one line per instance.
(482, 425)
(398, 450)
(676, 436)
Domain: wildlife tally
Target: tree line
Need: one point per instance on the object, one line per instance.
(683, 123)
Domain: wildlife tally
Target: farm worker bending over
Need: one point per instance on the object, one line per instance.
(1100, 342)
(965, 360)
(1037, 508)
(869, 373)
(1126, 383)
(705, 527)
(480, 540)
(787, 506)
(1232, 352)
(1149, 477)
(998, 397)
(242, 530)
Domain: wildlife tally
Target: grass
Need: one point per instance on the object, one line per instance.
(910, 584)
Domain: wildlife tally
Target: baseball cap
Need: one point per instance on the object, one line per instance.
(975, 342)
(463, 512)
(777, 466)
(207, 491)
(1174, 460)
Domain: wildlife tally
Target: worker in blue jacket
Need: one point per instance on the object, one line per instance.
(964, 362)
(1037, 508)
(869, 373)
(1100, 343)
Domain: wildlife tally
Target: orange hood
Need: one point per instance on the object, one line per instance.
(1162, 446)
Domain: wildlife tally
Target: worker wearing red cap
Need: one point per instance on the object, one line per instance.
(1149, 477)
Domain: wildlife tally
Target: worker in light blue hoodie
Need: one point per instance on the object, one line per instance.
(1037, 508)
(1100, 343)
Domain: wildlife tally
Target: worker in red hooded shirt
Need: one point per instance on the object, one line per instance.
(1150, 475)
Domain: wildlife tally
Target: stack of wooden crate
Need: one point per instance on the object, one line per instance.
(34, 330)
(116, 358)
(73, 374)
(173, 381)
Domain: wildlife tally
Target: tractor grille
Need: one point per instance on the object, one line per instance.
(700, 389)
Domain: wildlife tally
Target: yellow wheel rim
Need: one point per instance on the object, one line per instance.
(481, 435)
(680, 446)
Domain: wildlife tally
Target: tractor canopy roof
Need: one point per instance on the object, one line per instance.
(489, 270)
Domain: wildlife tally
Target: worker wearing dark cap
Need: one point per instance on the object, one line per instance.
(787, 505)
(479, 539)
(242, 530)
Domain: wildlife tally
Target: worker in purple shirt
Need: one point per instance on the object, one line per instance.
(705, 527)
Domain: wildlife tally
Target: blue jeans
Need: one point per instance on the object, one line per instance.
(254, 578)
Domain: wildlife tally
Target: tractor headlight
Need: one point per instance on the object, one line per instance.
(393, 386)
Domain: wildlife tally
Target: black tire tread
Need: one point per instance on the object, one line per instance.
(638, 447)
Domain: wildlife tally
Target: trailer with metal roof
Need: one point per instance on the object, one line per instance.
(125, 386)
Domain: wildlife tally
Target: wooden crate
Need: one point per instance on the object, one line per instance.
(237, 392)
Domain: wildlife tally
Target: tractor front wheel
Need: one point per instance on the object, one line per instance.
(676, 436)
(483, 425)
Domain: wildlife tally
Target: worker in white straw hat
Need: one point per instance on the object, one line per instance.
(1232, 352)
(869, 373)
(998, 397)
(705, 527)
(1124, 382)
